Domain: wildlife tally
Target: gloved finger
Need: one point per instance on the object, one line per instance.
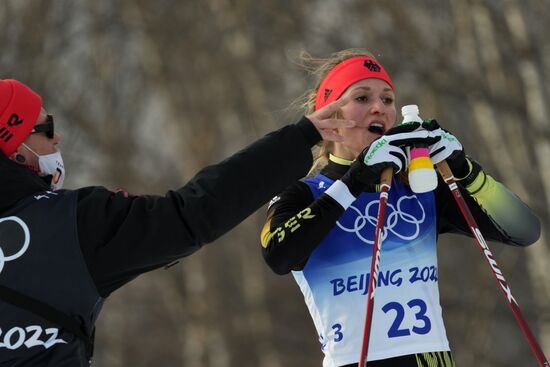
(410, 141)
(430, 124)
(400, 161)
(438, 156)
(441, 153)
(398, 135)
(404, 128)
(446, 137)
(395, 156)
(420, 136)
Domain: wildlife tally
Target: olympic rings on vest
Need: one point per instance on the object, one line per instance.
(394, 219)
(4, 227)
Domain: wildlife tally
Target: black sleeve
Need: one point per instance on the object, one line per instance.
(123, 236)
(295, 225)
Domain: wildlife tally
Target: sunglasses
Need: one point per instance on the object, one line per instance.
(46, 128)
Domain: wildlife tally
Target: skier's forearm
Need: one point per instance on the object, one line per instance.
(514, 219)
(500, 214)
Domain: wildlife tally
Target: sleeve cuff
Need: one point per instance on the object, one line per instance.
(468, 171)
(340, 192)
(474, 170)
(309, 130)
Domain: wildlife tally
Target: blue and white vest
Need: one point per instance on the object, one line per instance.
(407, 315)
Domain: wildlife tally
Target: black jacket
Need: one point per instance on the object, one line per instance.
(121, 236)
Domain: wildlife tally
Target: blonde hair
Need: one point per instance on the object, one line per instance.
(319, 68)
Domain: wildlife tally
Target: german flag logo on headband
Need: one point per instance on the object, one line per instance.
(372, 66)
(327, 93)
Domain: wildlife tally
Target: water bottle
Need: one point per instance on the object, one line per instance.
(422, 175)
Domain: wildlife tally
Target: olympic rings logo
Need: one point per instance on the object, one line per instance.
(4, 258)
(393, 217)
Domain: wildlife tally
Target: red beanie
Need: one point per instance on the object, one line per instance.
(19, 110)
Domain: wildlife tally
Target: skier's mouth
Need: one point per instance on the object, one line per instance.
(376, 128)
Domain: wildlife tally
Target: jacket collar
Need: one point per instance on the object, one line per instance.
(335, 169)
(17, 182)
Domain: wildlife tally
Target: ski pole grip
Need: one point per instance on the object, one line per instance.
(444, 170)
(386, 176)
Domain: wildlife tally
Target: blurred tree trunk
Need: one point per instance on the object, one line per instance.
(511, 135)
(530, 71)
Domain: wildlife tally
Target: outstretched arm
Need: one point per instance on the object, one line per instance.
(123, 236)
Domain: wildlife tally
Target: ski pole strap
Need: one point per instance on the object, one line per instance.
(49, 313)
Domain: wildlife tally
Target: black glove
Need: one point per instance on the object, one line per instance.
(386, 151)
(449, 148)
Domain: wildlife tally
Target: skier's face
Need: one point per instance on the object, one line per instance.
(373, 106)
(39, 142)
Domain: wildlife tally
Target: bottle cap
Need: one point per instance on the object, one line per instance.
(410, 109)
(410, 113)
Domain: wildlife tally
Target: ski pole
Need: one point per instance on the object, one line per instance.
(385, 185)
(447, 175)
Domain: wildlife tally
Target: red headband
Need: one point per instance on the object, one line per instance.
(345, 74)
(19, 110)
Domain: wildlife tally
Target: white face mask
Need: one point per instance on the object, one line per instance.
(51, 164)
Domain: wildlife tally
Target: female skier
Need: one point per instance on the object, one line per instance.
(322, 228)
